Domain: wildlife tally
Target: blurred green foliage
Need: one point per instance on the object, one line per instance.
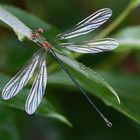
(120, 68)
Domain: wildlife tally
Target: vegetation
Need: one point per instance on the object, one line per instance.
(102, 75)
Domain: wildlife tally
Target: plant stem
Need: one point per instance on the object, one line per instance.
(132, 5)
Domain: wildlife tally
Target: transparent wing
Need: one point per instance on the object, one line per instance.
(92, 46)
(38, 88)
(20, 79)
(87, 25)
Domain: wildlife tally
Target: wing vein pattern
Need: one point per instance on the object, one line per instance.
(38, 88)
(88, 24)
(92, 46)
(16, 84)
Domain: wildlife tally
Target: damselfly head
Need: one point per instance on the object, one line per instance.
(44, 43)
(39, 30)
(35, 36)
(37, 33)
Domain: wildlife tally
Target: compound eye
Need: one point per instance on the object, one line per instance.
(39, 30)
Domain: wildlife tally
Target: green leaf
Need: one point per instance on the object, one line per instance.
(88, 78)
(126, 86)
(83, 74)
(8, 128)
(129, 38)
(45, 109)
(28, 20)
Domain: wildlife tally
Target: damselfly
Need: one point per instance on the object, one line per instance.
(38, 61)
